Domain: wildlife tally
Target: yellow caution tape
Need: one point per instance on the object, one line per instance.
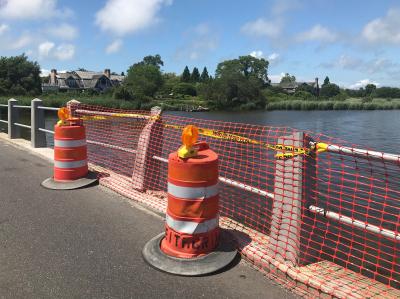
(289, 151)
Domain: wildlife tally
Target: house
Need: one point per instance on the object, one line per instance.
(82, 80)
(290, 87)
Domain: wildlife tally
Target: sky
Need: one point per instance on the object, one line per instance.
(353, 42)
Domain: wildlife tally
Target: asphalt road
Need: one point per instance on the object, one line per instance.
(87, 244)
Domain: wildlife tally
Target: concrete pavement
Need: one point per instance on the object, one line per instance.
(87, 244)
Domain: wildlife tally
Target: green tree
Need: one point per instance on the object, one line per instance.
(326, 81)
(329, 90)
(185, 89)
(170, 80)
(369, 89)
(195, 77)
(153, 60)
(288, 79)
(19, 76)
(306, 87)
(143, 80)
(81, 69)
(185, 75)
(248, 66)
(204, 75)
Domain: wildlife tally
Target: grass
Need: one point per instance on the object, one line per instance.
(59, 100)
(348, 104)
(184, 102)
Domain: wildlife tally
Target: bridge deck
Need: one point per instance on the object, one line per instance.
(87, 244)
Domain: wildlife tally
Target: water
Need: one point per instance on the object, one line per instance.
(374, 129)
(377, 129)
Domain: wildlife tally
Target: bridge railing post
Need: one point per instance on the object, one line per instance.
(38, 138)
(149, 145)
(13, 116)
(294, 188)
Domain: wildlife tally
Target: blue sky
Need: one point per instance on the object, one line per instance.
(353, 42)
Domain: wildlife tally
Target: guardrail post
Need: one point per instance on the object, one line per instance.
(294, 186)
(38, 138)
(13, 115)
(149, 145)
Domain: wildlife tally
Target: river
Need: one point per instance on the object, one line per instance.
(377, 129)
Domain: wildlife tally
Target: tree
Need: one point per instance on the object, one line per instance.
(288, 79)
(153, 60)
(195, 77)
(81, 69)
(122, 73)
(185, 75)
(143, 79)
(329, 90)
(204, 75)
(306, 87)
(326, 81)
(18, 76)
(369, 89)
(185, 89)
(248, 66)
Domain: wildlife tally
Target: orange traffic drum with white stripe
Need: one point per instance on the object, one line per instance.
(192, 226)
(70, 152)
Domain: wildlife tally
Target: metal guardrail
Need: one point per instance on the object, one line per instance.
(22, 125)
(362, 153)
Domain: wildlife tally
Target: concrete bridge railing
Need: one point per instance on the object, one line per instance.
(37, 127)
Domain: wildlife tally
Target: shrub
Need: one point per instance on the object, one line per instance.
(185, 89)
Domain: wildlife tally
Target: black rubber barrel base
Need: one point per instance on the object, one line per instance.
(50, 183)
(223, 255)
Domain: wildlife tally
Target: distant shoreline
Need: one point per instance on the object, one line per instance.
(194, 104)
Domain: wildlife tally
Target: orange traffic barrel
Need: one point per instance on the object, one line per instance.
(70, 157)
(193, 244)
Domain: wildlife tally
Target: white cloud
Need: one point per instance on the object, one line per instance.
(363, 83)
(257, 54)
(200, 40)
(126, 16)
(276, 78)
(3, 28)
(61, 52)
(114, 47)
(20, 42)
(385, 30)
(273, 58)
(44, 49)
(63, 31)
(44, 72)
(317, 33)
(261, 27)
(32, 9)
(282, 6)
(65, 52)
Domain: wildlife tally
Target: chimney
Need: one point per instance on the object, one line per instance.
(316, 87)
(107, 73)
(53, 77)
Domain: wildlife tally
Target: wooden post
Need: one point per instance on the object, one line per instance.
(13, 115)
(149, 144)
(293, 177)
(38, 138)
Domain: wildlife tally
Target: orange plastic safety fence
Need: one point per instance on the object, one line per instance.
(329, 221)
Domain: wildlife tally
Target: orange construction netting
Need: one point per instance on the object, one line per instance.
(328, 220)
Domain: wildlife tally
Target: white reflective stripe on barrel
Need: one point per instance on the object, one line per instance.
(192, 192)
(69, 143)
(70, 164)
(189, 227)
